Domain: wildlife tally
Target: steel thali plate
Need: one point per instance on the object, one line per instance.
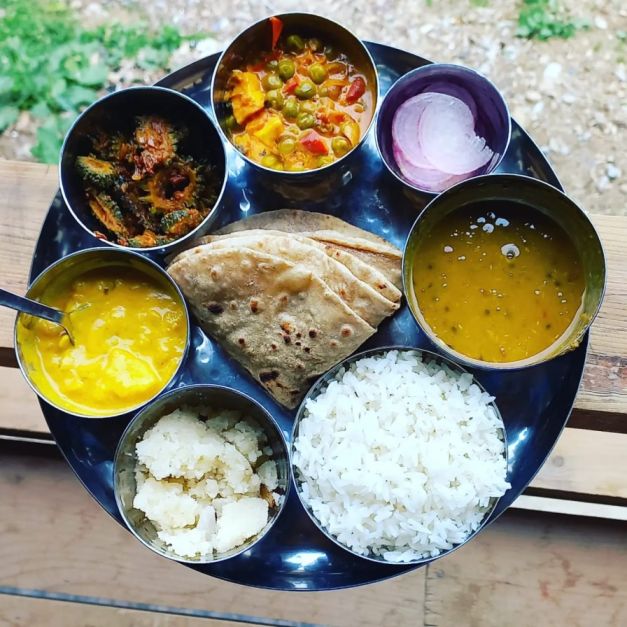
(535, 403)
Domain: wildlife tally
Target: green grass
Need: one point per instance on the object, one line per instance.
(52, 66)
(543, 19)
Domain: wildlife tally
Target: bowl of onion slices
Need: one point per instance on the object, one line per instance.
(441, 124)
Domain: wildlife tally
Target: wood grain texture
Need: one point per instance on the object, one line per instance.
(54, 537)
(20, 611)
(20, 407)
(532, 570)
(525, 569)
(572, 508)
(587, 462)
(27, 188)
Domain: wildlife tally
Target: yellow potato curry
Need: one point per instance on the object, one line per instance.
(300, 106)
(498, 284)
(130, 334)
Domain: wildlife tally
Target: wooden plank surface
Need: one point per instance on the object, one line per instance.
(54, 537)
(22, 611)
(525, 569)
(533, 571)
(27, 188)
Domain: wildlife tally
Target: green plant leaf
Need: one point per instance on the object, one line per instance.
(78, 96)
(48, 145)
(8, 115)
(53, 66)
(92, 76)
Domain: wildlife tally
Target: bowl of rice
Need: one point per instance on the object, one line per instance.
(398, 455)
(201, 474)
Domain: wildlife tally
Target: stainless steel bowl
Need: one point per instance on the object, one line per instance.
(492, 122)
(194, 396)
(538, 196)
(116, 111)
(321, 384)
(257, 37)
(82, 261)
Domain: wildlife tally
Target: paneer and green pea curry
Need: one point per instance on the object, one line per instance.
(299, 106)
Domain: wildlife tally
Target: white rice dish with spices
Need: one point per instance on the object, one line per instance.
(400, 459)
(205, 478)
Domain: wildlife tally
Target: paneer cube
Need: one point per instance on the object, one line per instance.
(247, 96)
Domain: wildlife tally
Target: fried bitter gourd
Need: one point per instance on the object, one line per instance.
(141, 189)
(178, 223)
(172, 188)
(155, 142)
(107, 212)
(96, 172)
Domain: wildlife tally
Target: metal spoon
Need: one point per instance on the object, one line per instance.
(33, 308)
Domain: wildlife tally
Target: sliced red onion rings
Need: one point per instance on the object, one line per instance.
(427, 179)
(456, 91)
(405, 129)
(434, 140)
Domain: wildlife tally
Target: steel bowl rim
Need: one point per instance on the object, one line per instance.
(328, 376)
(167, 279)
(141, 414)
(315, 171)
(521, 364)
(408, 76)
(209, 218)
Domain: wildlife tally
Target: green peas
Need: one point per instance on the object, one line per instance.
(290, 108)
(305, 90)
(340, 146)
(314, 44)
(286, 69)
(269, 161)
(317, 73)
(272, 65)
(295, 43)
(326, 160)
(271, 81)
(308, 106)
(230, 122)
(287, 145)
(305, 120)
(274, 98)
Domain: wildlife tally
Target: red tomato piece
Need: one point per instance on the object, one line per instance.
(291, 85)
(356, 90)
(314, 143)
(277, 27)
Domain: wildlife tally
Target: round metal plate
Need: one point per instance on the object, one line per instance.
(535, 403)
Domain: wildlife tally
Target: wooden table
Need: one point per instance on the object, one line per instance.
(563, 561)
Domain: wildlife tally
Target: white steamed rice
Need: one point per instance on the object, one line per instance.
(398, 458)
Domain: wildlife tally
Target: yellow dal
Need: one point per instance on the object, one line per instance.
(498, 284)
(129, 340)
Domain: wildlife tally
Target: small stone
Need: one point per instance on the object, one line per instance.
(537, 110)
(551, 75)
(612, 171)
(623, 188)
(533, 96)
(600, 22)
(569, 99)
(602, 183)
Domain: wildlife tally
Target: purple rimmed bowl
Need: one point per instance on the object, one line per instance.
(492, 118)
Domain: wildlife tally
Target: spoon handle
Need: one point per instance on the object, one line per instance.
(32, 307)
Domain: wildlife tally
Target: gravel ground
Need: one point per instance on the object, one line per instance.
(570, 95)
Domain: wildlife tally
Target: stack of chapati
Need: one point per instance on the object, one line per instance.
(290, 293)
